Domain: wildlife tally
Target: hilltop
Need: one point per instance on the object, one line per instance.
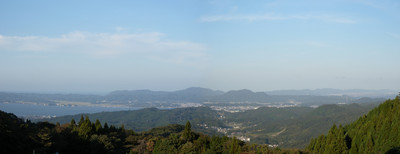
(85, 136)
(376, 132)
(296, 124)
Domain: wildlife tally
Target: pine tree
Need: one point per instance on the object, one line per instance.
(122, 127)
(376, 132)
(234, 147)
(73, 123)
(85, 129)
(341, 145)
(97, 125)
(81, 121)
(106, 126)
(187, 132)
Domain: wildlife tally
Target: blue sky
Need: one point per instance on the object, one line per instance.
(100, 46)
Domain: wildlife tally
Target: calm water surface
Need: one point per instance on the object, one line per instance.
(41, 110)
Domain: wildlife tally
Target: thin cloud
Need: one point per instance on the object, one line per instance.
(397, 36)
(120, 29)
(271, 17)
(147, 45)
(241, 17)
(316, 44)
(379, 4)
(325, 18)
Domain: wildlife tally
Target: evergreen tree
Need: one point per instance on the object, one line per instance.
(20, 137)
(122, 127)
(85, 129)
(81, 121)
(73, 123)
(105, 128)
(187, 132)
(97, 125)
(234, 146)
(376, 132)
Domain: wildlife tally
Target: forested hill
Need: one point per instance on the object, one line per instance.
(291, 127)
(376, 132)
(145, 119)
(19, 136)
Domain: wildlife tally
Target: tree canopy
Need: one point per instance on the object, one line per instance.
(378, 131)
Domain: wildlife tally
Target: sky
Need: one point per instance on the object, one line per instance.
(101, 46)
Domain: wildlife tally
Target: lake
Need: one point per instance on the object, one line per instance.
(29, 110)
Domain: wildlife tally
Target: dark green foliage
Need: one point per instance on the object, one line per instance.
(18, 136)
(395, 150)
(106, 126)
(165, 131)
(298, 124)
(81, 121)
(376, 132)
(188, 135)
(97, 125)
(73, 122)
(145, 119)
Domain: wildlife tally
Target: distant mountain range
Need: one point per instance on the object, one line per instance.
(197, 94)
(148, 98)
(194, 94)
(357, 93)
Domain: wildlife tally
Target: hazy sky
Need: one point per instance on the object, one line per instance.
(100, 46)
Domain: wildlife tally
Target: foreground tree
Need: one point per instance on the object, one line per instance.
(376, 132)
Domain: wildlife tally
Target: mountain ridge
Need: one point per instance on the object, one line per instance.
(375, 132)
(172, 99)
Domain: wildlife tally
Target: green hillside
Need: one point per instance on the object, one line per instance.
(85, 136)
(145, 119)
(291, 127)
(376, 132)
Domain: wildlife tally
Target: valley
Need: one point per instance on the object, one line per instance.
(287, 121)
(289, 127)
